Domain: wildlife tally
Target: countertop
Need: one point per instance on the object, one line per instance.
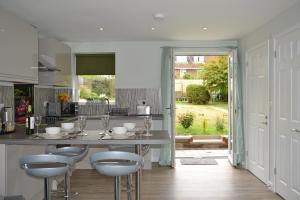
(20, 138)
(124, 117)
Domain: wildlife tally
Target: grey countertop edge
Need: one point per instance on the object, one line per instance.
(129, 117)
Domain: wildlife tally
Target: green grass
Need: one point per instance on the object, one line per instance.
(209, 112)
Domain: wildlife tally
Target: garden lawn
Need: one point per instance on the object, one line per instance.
(209, 112)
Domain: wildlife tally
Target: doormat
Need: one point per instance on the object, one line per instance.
(198, 161)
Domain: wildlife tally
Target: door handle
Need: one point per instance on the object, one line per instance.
(295, 130)
(266, 123)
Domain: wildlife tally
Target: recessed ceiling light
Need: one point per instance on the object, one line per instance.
(101, 29)
(205, 28)
(153, 28)
(158, 16)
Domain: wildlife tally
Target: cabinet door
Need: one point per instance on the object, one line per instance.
(18, 50)
(62, 55)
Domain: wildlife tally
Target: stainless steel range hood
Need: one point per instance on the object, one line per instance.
(47, 64)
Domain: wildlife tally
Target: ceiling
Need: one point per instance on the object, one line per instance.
(131, 20)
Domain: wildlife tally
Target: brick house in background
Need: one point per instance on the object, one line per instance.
(192, 65)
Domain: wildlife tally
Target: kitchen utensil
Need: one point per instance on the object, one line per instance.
(105, 122)
(82, 123)
(148, 123)
(37, 122)
(129, 126)
(119, 130)
(7, 116)
(52, 130)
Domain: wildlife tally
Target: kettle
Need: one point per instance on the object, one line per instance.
(8, 123)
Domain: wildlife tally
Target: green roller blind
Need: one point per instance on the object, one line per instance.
(95, 64)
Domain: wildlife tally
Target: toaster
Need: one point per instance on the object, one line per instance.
(143, 110)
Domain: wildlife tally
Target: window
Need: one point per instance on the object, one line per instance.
(181, 59)
(95, 87)
(199, 59)
(96, 76)
(182, 72)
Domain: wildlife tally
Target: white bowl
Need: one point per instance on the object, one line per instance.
(52, 130)
(119, 130)
(67, 126)
(129, 126)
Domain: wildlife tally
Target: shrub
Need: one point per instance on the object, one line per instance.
(220, 124)
(187, 76)
(186, 120)
(197, 94)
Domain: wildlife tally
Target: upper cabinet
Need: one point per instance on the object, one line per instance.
(54, 63)
(18, 50)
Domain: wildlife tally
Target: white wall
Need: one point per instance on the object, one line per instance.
(285, 20)
(138, 63)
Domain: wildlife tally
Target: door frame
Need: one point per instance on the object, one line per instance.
(201, 51)
(246, 100)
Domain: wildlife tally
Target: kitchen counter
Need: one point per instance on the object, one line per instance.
(15, 145)
(117, 117)
(20, 138)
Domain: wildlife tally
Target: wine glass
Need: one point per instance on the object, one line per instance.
(105, 122)
(37, 122)
(82, 123)
(148, 123)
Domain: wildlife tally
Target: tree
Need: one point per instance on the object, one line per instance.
(215, 76)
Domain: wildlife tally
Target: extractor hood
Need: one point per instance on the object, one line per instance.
(47, 64)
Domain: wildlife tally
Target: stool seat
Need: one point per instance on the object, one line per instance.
(77, 153)
(45, 165)
(116, 163)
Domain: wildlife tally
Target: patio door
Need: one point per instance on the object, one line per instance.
(167, 153)
(233, 108)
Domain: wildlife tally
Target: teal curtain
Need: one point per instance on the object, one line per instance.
(238, 116)
(165, 158)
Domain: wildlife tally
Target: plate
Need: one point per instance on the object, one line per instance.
(122, 136)
(61, 135)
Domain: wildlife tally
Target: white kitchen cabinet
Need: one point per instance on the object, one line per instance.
(18, 50)
(13, 179)
(61, 54)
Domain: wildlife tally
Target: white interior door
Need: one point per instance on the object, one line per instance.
(287, 90)
(257, 110)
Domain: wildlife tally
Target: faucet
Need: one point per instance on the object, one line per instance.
(106, 100)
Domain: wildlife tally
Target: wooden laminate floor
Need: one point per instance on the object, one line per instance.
(186, 182)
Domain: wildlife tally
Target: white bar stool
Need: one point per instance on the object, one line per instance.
(117, 164)
(46, 166)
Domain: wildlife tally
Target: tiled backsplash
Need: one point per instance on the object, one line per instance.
(40, 96)
(128, 98)
(49, 94)
(7, 96)
(125, 98)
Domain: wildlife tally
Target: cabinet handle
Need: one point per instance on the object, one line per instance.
(295, 130)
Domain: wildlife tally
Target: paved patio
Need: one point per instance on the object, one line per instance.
(208, 153)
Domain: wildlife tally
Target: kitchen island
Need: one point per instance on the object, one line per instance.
(19, 138)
